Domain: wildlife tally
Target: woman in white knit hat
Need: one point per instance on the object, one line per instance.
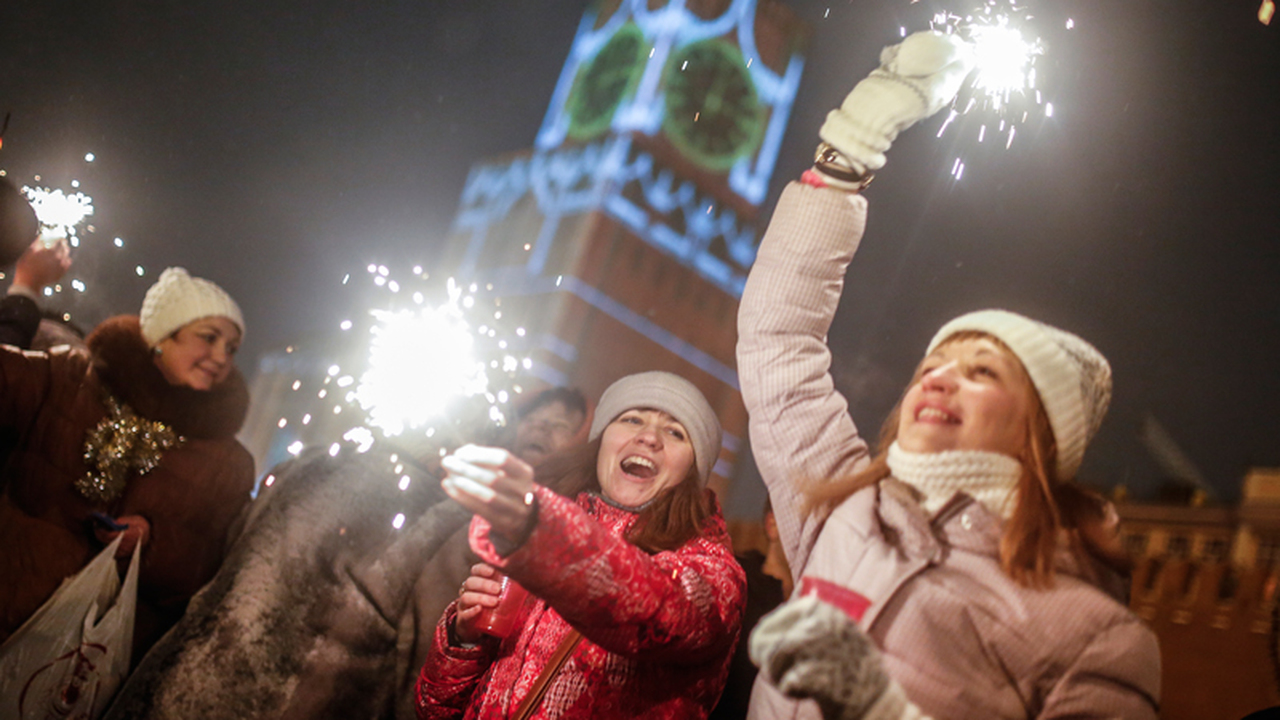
(635, 597)
(939, 575)
(139, 431)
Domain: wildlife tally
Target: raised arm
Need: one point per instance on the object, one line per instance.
(41, 265)
(800, 426)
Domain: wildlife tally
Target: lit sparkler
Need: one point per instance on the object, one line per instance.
(1002, 59)
(1002, 92)
(429, 376)
(62, 214)
(59, 213)
(419, 360)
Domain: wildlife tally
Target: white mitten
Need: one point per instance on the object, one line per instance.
(916, 78)
(810, 649)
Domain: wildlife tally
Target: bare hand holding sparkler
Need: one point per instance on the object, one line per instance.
(494, 484)
(41, 265)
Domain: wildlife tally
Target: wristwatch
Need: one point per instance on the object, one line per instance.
(836, 167)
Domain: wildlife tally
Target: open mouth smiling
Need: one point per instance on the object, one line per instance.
(641, 468)
(936, 415)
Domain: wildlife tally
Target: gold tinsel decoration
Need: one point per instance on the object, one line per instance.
(120, 445)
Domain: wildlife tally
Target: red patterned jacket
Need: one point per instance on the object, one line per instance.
(658, 630)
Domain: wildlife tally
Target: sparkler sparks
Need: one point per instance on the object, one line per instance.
(59, 213)
(63, 214)
(418, 362)
(1003, 60)
(1002, 91)
(429, 365)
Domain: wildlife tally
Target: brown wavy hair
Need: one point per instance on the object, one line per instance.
(1030, 538)
(673, 518)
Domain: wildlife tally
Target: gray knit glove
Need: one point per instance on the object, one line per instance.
(916, 78)
(810, 649)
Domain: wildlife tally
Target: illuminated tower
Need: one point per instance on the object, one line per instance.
(622, 240)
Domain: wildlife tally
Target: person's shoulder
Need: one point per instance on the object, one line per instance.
(241, 460)
(859, 512)
(1119, 646)
(69, 354)
(67, 364)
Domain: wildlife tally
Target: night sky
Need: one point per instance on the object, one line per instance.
(275, 147)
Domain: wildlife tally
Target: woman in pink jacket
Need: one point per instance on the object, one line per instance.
(627, 562)
(942, 574)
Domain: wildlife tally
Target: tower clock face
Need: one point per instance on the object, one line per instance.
(602, 83)
(713, 113)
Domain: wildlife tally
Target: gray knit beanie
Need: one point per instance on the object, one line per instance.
(673, 395)
(177, 299)
(1072, 378)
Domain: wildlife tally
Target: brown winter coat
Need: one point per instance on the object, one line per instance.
(961, 638)
(191, 498)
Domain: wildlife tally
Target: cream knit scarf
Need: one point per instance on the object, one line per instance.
(988, 477)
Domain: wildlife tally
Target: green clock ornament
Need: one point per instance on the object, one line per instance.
(713, 112)
(605, 81)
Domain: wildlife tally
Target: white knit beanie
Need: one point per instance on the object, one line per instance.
(1072, 378)
(177, 299)
(672, 394)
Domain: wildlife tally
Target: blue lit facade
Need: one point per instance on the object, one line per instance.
(638, 155)
(622, 239)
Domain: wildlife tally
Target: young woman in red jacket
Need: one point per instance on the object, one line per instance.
(629, 551)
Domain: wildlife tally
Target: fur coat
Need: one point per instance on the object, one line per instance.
(52, 401)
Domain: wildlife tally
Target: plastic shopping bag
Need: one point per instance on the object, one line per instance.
(70, 657)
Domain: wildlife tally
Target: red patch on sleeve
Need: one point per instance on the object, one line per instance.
(850, 602)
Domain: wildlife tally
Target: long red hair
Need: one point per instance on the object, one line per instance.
(1030, 538)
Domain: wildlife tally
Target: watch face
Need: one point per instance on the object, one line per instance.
(713, 113)
(602, 83)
